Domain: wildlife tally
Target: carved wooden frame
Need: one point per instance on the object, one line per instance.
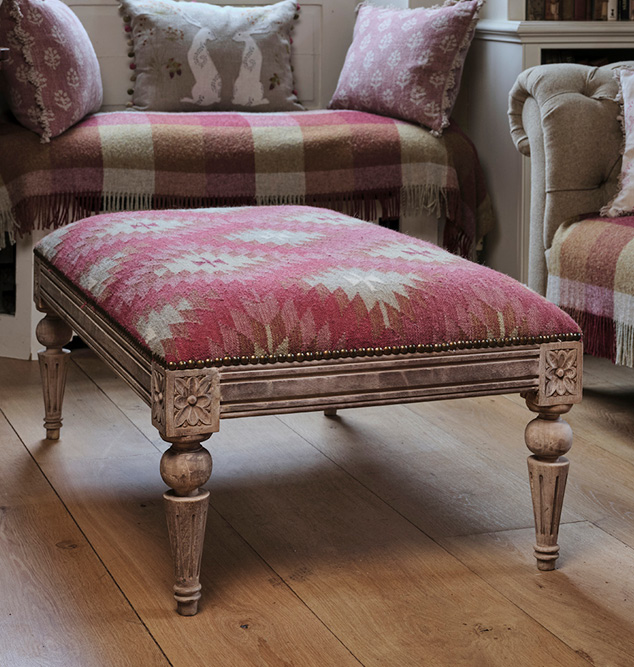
(188, 403)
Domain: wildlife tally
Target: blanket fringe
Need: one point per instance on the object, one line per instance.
(625, 344)
(51, 212)
(457, 242)
(599, 334)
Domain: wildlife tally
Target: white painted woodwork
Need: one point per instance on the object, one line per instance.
(501, 49)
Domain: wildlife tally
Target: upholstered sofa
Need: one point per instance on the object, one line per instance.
(565, 117)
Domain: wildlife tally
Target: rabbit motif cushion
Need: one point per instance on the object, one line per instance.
(194, 56)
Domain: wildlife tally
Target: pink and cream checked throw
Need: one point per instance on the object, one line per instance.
(346, 160)
(257, 284)
(591, 276)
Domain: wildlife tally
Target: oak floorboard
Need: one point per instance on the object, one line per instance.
(441, 480)
(247, 615)
(389, 592)
(117, 502)
(92, 424)
(342, 551)
(588, 603)
(600, 485)
(120, 394)
(50, 578)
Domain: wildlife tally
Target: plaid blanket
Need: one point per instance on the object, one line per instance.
(591, 276)
(345, 160)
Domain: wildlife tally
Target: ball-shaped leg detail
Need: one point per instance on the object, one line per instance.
(548, 438)
(186, 471)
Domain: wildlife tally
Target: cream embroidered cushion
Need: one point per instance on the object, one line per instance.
(193, 56)
(623, 203)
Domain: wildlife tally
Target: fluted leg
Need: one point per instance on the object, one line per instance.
(53, 333)
(548, 437)
(185, 467)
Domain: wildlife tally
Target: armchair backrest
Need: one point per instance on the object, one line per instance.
(566, 119)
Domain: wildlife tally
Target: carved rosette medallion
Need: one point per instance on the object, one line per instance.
(185, 402)
(192, 400)
(560, 373)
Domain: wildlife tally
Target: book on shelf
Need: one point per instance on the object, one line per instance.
(580, 10)
(535, 10)
(567, 10)
(553, 10)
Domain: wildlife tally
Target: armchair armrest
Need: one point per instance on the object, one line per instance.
(565, 118)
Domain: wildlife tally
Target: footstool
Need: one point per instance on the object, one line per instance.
(216, 313)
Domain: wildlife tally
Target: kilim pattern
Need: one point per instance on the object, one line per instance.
(591, 276)
(285, 280)
(345, 160)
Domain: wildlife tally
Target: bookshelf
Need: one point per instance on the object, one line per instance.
(504, 45)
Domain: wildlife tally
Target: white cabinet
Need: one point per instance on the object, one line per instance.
(501, 49)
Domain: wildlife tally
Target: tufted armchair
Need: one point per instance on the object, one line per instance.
(565, 117)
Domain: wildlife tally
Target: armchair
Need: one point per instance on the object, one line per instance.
(565, 117)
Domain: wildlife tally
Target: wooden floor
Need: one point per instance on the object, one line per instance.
(385, 536)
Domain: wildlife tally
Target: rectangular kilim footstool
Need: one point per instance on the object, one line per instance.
(217, 313)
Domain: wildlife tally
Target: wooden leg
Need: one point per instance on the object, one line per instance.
(548, 437)
(185, 467)
(330, 412)
(53, 333)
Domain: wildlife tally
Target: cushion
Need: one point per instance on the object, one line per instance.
(623, 202)
(52, 77)
(277, 283)
(407, 63)
(190, 56)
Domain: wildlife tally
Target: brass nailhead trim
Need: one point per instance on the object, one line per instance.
(370, 351)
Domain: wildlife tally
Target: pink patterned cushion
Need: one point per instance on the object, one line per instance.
(407, 63)
(267, 282)
(52, 77)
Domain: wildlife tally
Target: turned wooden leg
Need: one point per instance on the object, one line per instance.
(548, 437)
(53, 333)
(185, 467)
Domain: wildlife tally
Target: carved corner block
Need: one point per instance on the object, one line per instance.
(185, 402)
(560, 373)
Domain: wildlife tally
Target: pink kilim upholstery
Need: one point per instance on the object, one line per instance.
(267, 282)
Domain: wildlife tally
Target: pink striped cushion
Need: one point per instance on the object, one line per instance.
(268, 282)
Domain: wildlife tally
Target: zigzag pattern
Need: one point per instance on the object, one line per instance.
(212, 283)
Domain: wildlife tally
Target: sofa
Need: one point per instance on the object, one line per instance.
(365, 164)
(567, 119)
